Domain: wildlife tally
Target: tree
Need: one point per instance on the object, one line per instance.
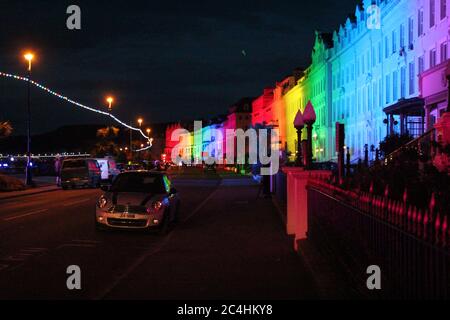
(394, 142)
(106, 144)
(5, 129)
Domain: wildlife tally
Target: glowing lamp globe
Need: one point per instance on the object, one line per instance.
(309, 115)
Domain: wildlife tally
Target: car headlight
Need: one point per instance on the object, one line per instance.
(102, 202)
(155, 206)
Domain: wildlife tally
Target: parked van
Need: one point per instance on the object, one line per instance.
(80, 173)
(108, 168)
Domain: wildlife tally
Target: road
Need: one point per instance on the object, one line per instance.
(228, 245)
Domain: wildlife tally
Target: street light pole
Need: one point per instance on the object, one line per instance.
(131, 141)
(28, 171)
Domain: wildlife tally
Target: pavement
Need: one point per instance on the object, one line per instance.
(228, 245)
(42, 184)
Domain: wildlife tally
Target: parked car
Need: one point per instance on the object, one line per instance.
(108, 168)
(138, 200)
(80, 173)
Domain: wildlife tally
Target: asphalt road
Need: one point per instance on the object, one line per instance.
(228, 245)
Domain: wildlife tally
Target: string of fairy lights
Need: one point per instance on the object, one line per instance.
(62, 97)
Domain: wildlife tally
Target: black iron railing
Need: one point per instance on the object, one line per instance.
(412, 247)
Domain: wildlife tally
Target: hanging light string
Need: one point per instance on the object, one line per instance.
(38, 85)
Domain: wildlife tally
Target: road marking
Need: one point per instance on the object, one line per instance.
(76, 202)
(25, 214)
(151, 252)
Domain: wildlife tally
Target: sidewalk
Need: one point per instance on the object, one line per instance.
(43, 184)
(328, 279)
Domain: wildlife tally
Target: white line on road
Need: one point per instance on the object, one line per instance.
(25, 214)
(151, 251)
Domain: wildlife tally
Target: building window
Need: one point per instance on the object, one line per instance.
(432, 58)
(402, 36)
(421, 64)
(395, 86)
(386, 47)
(374, 57)
(403, 82)
(388, 89)
(420, 22)
(380, 52)
(411, 32)
(443, 9)
(412, 78)
(432, 13)
(394, 42)
(444, 52)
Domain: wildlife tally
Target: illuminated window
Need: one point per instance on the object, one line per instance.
(394, 41)
(412, 78)
(444, 51)
(402, 36)
(386, 47)
(432, 13)
(403, 82)
(410, 32)
(421, 64)
(432, 58)
(394, 86)
(388, 88)
(443, 9)
(420, 22)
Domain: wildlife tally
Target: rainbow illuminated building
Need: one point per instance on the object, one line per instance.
(382, 72)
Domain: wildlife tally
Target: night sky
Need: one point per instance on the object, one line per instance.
(164, 61)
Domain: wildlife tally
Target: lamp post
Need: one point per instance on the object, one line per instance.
(140, 121)
(299, 124)
(110, 101)
(28, 172)
(309, 117)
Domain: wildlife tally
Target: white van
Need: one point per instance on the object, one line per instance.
(108, 169)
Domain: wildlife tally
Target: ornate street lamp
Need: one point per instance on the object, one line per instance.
(309, 117)
(299, 124)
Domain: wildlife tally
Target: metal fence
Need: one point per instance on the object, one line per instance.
(410, 246)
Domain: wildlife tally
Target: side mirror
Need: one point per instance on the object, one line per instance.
(173, 191)
(105, 188)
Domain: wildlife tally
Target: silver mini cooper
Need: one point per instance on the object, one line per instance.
(138, 200)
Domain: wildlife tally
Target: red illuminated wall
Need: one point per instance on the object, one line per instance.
(169, 145)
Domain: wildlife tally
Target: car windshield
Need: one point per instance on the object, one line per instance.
(139, 182)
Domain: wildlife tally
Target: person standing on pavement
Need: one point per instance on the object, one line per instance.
(58, 164)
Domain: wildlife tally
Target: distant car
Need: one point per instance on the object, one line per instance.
(80, 173)
(138, 200)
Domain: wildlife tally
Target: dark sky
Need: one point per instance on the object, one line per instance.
(165, 60)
